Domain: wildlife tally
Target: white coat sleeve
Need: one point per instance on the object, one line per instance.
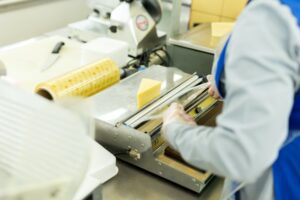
(261, 77)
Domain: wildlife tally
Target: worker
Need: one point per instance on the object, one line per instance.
(256, 143)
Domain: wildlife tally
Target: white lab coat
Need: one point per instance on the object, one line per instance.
(261, 76)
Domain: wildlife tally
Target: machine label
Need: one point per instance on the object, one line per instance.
(142, 23)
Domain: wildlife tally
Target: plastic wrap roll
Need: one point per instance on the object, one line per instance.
(83, 82)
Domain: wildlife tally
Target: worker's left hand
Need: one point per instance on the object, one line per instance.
(176, 113)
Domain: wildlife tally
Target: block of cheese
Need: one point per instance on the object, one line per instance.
(204, 11)
(219, 29)
(213, 7)
(233, 10)
(149, 89)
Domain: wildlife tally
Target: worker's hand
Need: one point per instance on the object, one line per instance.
(212, 91)
(176, 113)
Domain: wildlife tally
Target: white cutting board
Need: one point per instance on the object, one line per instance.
(24, 60)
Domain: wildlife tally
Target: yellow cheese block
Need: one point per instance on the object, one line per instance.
(149, 89)
(213, 7)
(219, 29)
(203, 11)
(225, 8)
(233, 8)
(199, 17)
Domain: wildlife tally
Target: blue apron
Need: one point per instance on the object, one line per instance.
(286, 169)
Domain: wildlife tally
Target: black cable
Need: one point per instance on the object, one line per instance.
(167, 62)
(164, 62)
(168, 56)
(144, 59)
(134, 62)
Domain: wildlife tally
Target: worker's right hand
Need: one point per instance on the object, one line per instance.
(176, 113)
(212, 90)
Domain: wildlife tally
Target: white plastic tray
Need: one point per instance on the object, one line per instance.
(102, 168)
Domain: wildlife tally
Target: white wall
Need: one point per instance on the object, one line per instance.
(21, 22)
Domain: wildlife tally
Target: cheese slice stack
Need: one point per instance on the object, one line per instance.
(149, 89)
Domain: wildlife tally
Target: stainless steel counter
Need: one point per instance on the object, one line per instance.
(135, 184)
(198, 38)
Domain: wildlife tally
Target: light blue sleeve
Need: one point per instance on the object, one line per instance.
(262, 73)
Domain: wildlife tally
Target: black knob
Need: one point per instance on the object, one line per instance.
(198, 110)
(113, 29)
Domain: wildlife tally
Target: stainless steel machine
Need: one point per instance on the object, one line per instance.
(132, 21)
(134, 135)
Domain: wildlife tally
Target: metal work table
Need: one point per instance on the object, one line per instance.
(133, 183)
(199, 38)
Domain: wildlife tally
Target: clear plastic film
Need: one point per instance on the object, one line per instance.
(83, 82)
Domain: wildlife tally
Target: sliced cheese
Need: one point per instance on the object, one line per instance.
(149, 89)
(220, 29)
